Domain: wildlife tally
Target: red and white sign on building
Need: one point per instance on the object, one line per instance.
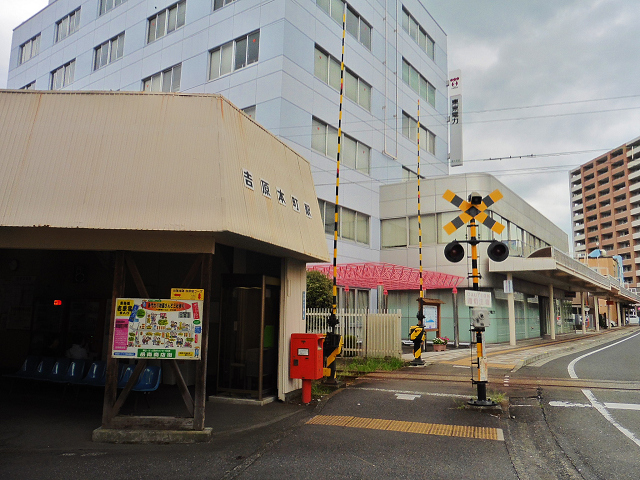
(455, 115)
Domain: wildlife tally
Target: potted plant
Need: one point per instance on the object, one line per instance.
(440, 344)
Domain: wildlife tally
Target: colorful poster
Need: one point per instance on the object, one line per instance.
(157, 329)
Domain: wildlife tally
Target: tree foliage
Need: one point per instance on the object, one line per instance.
(319, 290)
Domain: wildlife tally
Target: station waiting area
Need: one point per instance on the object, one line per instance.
(73, 372)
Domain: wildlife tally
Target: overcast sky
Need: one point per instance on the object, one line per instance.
(517, 58)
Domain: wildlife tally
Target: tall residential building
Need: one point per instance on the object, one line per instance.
(279, 61)
(605, 207)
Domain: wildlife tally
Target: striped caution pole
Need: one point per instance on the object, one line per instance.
(333, 341)
(482, 376)
(417, 332)
(417, 337)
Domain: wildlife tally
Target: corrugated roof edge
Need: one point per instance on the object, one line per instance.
(176, 94)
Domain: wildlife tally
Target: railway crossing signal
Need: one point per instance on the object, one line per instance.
(474, 210)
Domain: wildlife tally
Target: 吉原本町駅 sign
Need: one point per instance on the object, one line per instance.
(157, 329)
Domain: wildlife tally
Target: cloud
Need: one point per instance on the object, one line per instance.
(534, 53)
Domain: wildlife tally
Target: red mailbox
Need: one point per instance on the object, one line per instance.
(307, 360)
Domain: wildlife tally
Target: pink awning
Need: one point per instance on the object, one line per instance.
(391, 277)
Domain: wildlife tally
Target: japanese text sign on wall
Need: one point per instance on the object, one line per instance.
(187, 294)
(474, 298)
(157, 329)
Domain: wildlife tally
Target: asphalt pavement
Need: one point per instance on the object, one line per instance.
(379, 426)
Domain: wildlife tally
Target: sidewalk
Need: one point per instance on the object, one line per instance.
(525, 352)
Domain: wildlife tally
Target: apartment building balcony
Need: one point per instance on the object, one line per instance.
(636, 235)
(634, 187)
(634, 211)
(635, 199)
(633, 162)
(576, 188)
(578, 215)
(578, 237)
(636, 174)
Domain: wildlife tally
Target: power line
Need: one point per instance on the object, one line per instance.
(575, 102)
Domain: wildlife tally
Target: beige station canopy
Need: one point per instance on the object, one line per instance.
(549, 266)
(150, 172)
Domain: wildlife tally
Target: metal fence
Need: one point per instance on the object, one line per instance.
(365, 333)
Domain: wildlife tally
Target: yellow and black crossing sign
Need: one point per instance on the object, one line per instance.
(475, 210)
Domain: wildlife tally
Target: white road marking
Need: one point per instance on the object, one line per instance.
(461, 366)
(571, 367)
(448, 395)
(406, 396)
(602, 408)
(561, 403)
(603, 411)
(621, 406)
(607, 405)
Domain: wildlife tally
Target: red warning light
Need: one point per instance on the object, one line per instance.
(57, 303)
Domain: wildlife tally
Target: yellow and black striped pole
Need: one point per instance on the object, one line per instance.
(481, 361)
(475, 275)
(417, 332)
(333, 341)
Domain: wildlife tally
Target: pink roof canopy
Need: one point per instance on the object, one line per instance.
(392, 277)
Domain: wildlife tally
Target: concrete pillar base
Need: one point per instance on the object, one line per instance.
(112, 435)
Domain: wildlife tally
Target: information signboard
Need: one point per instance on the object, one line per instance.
(157, 329)
(430, 317)
(187, 294)
(474, 298)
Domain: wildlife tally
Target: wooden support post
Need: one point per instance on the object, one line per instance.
(111, 384)
(137, 279)
(201, 368)
(140, 366)
(192, 272)
(182, 386)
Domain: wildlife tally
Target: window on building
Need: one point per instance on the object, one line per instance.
(352, 225)
(234, 55)
(419, 35)
(67, 25)
(418, 83)
(107, 5)
(63, 76)
(428, 229)
(29, 86)
(357, 26)
(327, 69)
(108, 52)
(165, 81)
(166, 21)
(29, 49)
(250, 111)
(410, 130)
(221, 3)
(355, 154)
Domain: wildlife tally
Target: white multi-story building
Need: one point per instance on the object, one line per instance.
(278, 60)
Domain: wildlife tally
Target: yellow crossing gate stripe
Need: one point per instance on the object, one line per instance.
(473, 211)
(462, 431)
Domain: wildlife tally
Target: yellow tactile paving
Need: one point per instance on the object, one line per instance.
(462, 431)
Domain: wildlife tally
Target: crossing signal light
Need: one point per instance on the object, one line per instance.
(498, 251)
(454, 252)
